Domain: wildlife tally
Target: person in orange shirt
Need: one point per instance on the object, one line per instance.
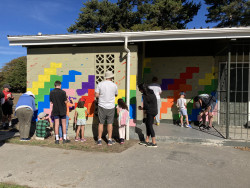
(69, 104)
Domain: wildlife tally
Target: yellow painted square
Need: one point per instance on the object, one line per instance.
(121, 93)
(55, 65)
(38, 84)
(132, 82)
(50, 71)
(43, 78)
(33, 90)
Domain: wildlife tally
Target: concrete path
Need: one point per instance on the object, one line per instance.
(169, 165)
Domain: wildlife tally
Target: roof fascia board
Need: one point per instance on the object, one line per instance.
(188, 34)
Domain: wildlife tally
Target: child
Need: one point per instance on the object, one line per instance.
(80, 120)
(123, 118)
(69, 104)
(182, 105)
(44, 126)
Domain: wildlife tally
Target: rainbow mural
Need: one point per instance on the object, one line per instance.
(209, 81)
(45, 84)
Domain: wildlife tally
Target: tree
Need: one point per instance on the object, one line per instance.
(14, 73)
(228, 13)
(134, 15)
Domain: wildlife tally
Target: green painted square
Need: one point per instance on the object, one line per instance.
(147, 70)
(49, 85)
(39, 98)
(189, 108)
(208, 89)
(215, 84)
(124, 99)
(176, 116)
(132, 93)
(132, 96)
(43, 91)
(54, 78)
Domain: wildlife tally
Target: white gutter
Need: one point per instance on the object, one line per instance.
(128, 82)
(116, 37)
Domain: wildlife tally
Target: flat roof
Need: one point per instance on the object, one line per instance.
(119, 37)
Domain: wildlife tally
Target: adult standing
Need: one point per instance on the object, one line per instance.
(207, 104)
(25, 108)
(150, 107)
(59, 100)
(7, 104)
(106, 91)
(157, 91)
(1, 111)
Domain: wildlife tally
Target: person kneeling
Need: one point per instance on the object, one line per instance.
(44, 126)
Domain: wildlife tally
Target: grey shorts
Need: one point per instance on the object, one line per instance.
(81, 122)
(183, 112)
(213, 104)
(104, 114)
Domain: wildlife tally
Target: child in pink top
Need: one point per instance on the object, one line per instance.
(123, 118)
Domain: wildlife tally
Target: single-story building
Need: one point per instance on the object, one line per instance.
(191, 60)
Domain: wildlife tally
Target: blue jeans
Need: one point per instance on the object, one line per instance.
(60, 127)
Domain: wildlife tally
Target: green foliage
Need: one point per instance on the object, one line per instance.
(14, 73)
(134, 15)
(230, 13)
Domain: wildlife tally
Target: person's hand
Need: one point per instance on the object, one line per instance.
(140, 108)
(9, 96)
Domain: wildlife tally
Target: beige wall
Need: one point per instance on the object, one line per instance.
(194, 75)
(73, 66)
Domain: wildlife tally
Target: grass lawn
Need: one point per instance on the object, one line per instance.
(90, 145)
(10, 185)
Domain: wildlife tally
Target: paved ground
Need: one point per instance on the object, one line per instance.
(169, 165)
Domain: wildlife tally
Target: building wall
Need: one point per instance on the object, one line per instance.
(193, 75)
(79, 68)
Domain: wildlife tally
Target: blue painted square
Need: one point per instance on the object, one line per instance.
(132, 111)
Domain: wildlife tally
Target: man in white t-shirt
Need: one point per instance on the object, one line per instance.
(157, 91)
(106, 91)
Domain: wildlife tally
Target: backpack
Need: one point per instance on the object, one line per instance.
(123, 117)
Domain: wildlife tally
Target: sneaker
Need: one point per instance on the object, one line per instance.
(188, 126)
(10, 124)
(83, 140)
(182, 126)
(110, 142)
(66, 141)
(25, 139)
(122, 141)
(143, 143)
(77, 139)
(157, 124)
(57, 142)
(151, 145)
(99, 142)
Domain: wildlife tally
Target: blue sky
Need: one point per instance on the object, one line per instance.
(28, 17)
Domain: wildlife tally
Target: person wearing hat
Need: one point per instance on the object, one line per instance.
(182, 105)
(207, 104)
(7, 105)
(25, 108)
(106, 91)
(44, 126)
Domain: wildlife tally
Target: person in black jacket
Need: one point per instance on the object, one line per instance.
(207, 104)
(150, 108)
